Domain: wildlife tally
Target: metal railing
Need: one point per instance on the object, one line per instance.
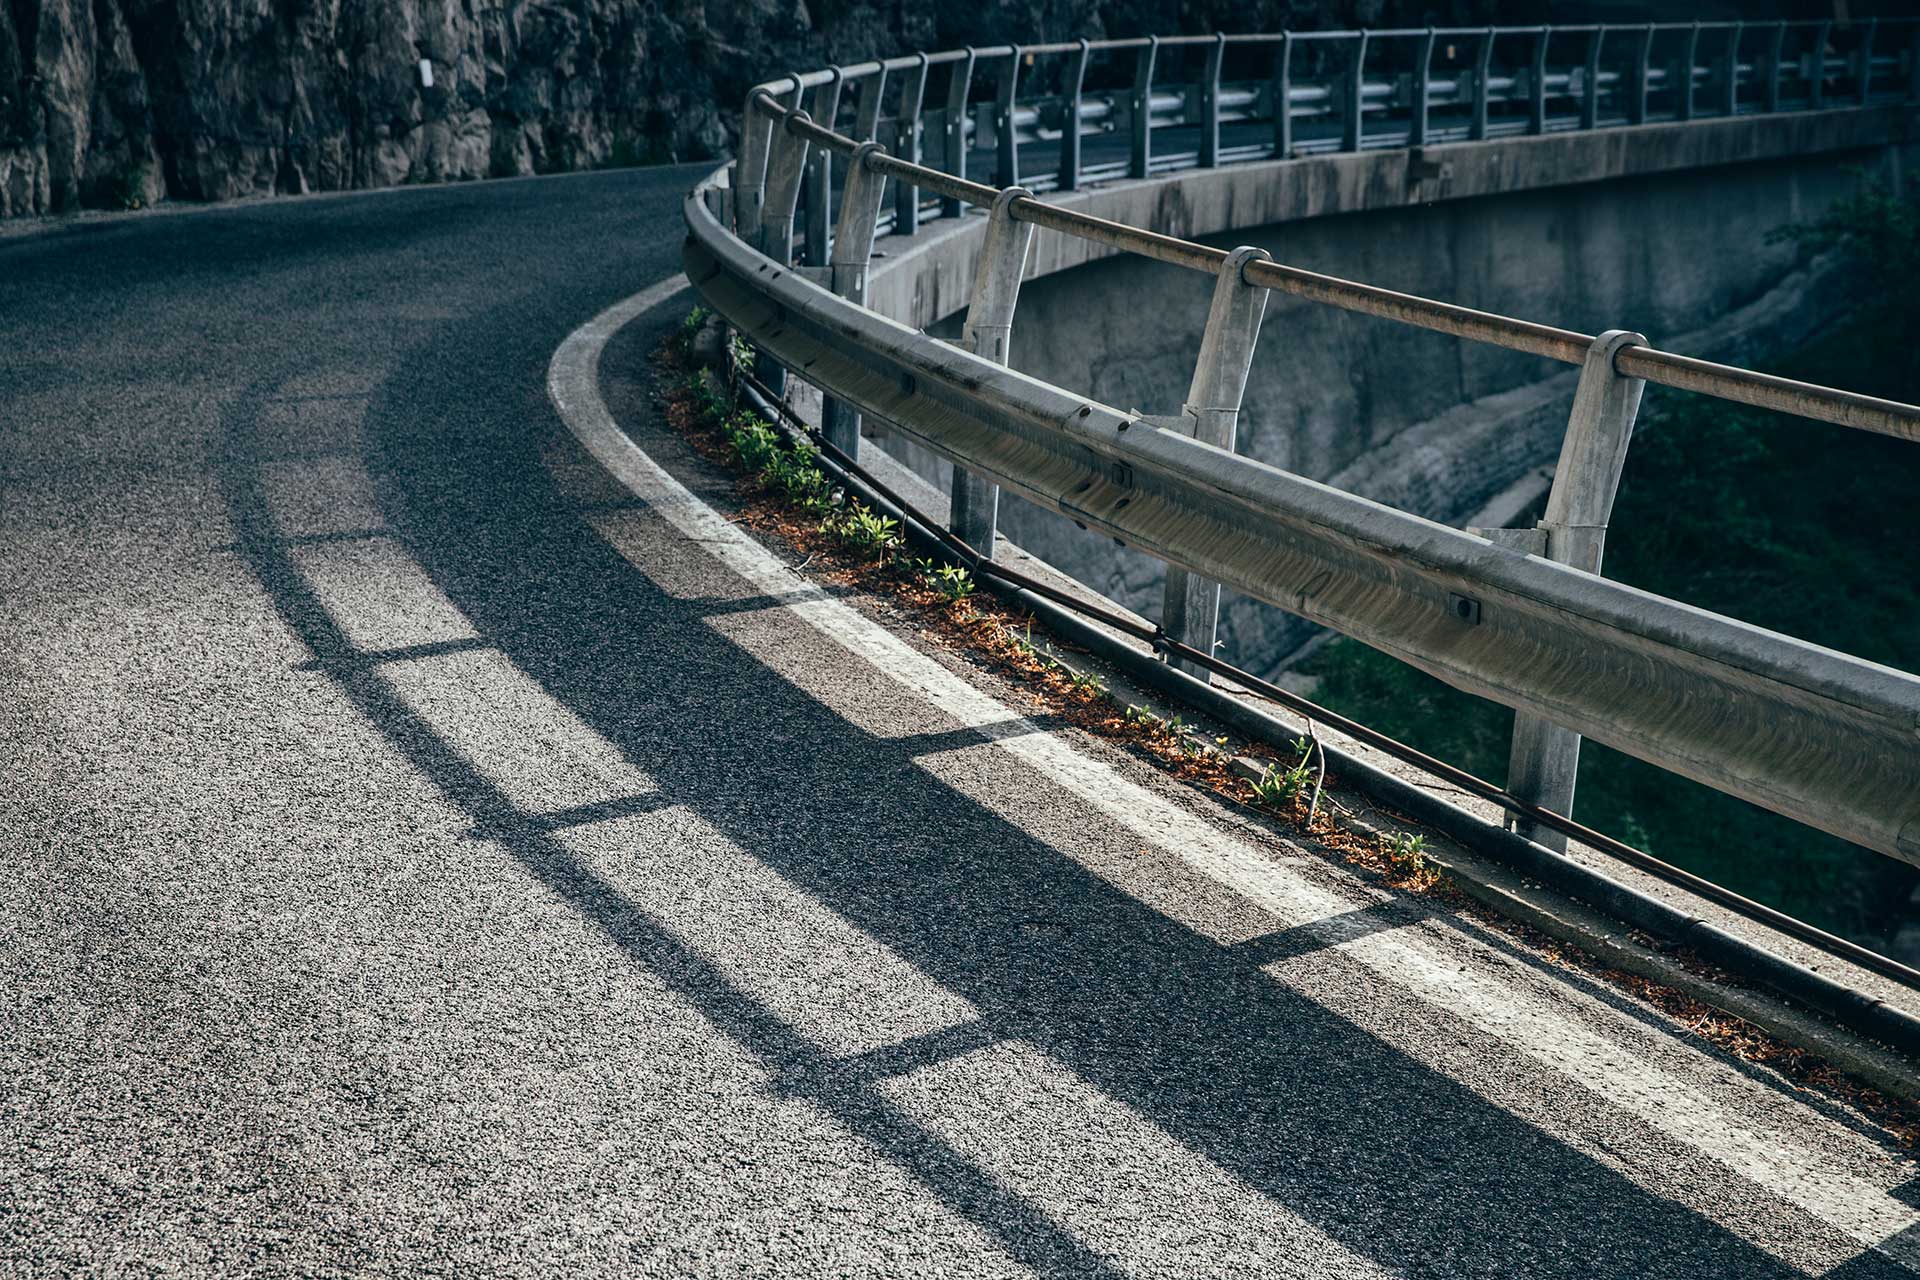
(1827, 739)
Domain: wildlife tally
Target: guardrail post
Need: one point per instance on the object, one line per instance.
(975, 512)
(1590, 91)
(1006, 141)
(786, 162)
(1545, 758)
(757, 144)
(1140, 159)
(955, 144)
(1865, 55)
(1770, 91)
(1075, 86)
(1537, 83)
(866, 119)
(819, 194)
(1283, 98)
(1354, 129)
(1817, 86)
(847, 275)
(1190, 609)
(1642, 73)
(1422, 91)
(906, 145)
(1483, 69)
(1684, 106)
(1732, 99)
(1210, 103)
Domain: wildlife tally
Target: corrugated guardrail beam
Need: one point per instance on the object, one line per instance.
(1821, 737)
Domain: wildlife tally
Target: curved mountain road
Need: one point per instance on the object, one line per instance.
(434, 839)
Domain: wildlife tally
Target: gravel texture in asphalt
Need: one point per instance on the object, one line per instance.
(433, 839)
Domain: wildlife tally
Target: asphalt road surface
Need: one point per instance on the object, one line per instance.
(433, 839)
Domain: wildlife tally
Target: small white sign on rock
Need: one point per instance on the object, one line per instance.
(426, 73)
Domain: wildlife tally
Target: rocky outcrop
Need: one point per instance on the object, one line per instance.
(123, 102)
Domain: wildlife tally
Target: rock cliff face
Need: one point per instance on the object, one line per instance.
(121, 102)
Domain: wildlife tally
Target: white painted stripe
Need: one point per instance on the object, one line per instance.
(1829, 1188)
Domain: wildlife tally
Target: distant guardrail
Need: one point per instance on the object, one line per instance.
(1519, 616)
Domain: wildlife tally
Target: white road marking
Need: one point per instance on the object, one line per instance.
(1830, 1189)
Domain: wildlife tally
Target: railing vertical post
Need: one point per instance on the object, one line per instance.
(1210, 103)
(1642, 75)
(1483, 70)
(1817, 86)
(1590, 90)
(866, 120)
(1537, 83)
(761, 135)
(786, 163)
(819, 174)
(1140, 159)
(847, 275)
(1689, 57)
(1731, 102)
(906, 145)
(1283, 98)
(1545, 757)
(1355, 129)
(1770, 90)
(1422, 91)
(975, 512)
(954, 151)
(1006, 140)
(1865, 56)
(1190, 609)
(1075, 87)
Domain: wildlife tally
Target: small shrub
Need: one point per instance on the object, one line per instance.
(1405, 853)
(861, 529)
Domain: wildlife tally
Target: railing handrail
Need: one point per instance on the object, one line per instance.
(1688, 373)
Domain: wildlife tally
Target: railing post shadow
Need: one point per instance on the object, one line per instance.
(975, 512)
(1190, 605)
(847, 269)
(1544, 758)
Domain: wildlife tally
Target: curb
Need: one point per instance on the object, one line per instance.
(1861, 1034)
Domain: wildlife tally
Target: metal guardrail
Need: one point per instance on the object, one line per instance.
(1819, 736)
